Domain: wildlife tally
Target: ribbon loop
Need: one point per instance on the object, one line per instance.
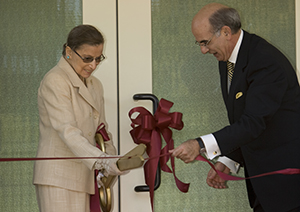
(101, 130)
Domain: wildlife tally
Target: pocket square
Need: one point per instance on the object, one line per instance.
(238, 95)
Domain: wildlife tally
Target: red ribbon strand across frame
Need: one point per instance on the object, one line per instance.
(287, 171)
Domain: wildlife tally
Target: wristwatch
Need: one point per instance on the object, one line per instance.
(201, 144)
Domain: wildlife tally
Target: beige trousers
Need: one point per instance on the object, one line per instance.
(55, 199)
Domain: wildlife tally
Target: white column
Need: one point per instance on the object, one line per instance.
(135, 77)
(131, 60)
(102, 14)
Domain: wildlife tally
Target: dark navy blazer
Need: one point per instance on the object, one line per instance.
(263, 106)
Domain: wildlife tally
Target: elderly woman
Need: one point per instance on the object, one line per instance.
(71, 108)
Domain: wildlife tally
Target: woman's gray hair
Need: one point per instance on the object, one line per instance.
(225, 17)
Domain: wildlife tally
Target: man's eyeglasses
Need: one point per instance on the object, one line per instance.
(204, 43)
(91, 59)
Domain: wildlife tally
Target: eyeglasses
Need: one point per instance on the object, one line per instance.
(91, 59)
(204, 43)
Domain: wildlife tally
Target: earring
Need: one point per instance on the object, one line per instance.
(68, 57)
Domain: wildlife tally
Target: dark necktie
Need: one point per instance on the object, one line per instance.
(230, 67)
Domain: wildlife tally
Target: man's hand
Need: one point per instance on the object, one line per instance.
(214, 180)
(187, 151)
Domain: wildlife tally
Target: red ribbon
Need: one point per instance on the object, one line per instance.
(94, 199)
(54, 158)
(147, 129)
(288, 171)
(101, 129)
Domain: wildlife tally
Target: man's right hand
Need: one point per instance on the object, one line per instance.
(187, 151)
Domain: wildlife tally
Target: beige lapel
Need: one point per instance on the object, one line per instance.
(76, 82)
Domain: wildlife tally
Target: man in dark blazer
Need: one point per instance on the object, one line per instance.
(262, 99)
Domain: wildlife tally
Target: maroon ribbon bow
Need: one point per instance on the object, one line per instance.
(94, 199)
(147, 129)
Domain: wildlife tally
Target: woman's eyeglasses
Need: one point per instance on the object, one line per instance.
(91, 59)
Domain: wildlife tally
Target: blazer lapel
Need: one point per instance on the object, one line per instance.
(241, 63)
(76, 82)
(84, 92)
(223, 77)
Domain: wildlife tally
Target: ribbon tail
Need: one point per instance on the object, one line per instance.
(150, 170)
(164, 159)
(94, 199)
(167, 135)
(150, 167)
(183, 187)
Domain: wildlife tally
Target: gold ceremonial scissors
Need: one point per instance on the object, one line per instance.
(133, 159)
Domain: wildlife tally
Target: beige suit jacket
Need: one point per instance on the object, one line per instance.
(70, 113)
